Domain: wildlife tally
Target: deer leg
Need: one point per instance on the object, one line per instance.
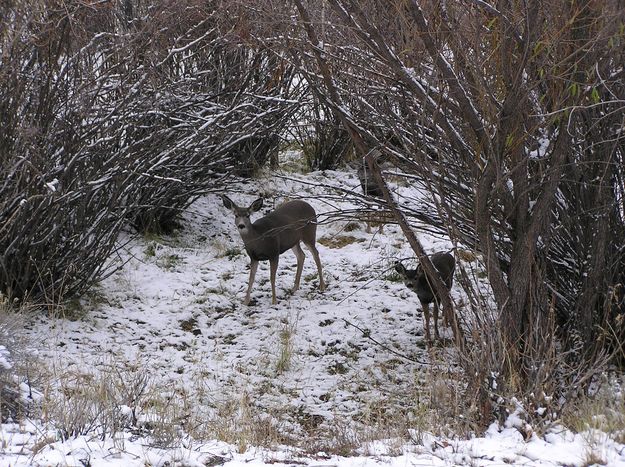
(426, 319)
(273, 267)
(436, 334)
(313, 249)
(299, 254)
(447, 316)
(250, 283)
(451, 319)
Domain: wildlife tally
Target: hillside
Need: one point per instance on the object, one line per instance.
(163, 364)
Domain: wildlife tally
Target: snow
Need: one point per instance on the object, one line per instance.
(5, 358)
(541, 150)
(496, 448)
(53, 185)
(172, 319)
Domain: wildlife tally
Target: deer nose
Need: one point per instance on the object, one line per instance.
(409, 286)
(241, 226)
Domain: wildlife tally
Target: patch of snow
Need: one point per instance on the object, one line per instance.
(5, 358)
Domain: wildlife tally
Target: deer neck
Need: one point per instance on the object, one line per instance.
(252, 235)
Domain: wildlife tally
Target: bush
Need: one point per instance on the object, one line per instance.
(324, 141)
(114, 122)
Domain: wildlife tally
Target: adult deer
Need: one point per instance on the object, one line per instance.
(417, 281)
(270, 236)
(369, 188)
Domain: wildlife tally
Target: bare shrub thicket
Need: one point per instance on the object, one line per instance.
(511, 118)
(116, 113)
(324, 140)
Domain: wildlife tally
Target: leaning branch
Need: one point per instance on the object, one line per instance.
(416, 246)
(370, 157)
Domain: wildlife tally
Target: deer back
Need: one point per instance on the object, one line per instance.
(368, 182)
(281, 230)
(445, 264)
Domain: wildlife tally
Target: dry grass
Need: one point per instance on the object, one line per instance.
(285, 350)
(78, 402)
(604, 410)
(124, 398)
(339, 241)
(239, 421)
(14, 360)
(121, 397)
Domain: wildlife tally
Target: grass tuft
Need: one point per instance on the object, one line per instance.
(285, 352)
(339, 241)
(603, 410)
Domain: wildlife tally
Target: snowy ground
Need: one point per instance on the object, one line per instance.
(167, 342)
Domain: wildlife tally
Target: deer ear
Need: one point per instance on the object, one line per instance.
(400, 268)
(256, 205)
(227, 202)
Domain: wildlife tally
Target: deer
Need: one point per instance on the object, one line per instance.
(417, 281)
(370, 188)
(270, 236)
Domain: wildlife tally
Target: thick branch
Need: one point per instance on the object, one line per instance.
(369, 156)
